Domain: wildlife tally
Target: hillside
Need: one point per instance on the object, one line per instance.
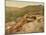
(36, 9)
(13, 12)
(26, 19)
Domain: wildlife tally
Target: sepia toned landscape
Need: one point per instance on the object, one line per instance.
(24, 17)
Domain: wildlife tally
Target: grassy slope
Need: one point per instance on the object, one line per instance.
(12, 12)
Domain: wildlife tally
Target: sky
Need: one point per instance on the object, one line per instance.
(13, 3)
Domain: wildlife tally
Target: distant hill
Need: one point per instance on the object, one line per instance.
(32, 9)
(13, 12)
(12, 9)
(36, 9)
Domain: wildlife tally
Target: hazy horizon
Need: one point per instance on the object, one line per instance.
(12, 3)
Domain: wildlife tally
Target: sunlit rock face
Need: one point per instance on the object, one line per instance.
(32, 23)
(10, 25)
